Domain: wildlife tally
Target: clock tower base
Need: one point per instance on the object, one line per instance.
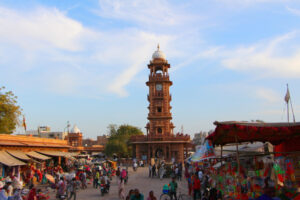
(171, 149)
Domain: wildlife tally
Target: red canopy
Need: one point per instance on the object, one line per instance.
(275, 133)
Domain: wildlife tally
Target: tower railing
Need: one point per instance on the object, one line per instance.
(162, 114)
(159, 77)
(177, 137)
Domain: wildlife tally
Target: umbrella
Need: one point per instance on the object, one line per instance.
(50, 178)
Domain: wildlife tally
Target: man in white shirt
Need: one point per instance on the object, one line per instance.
(200, 175)
(9, 187)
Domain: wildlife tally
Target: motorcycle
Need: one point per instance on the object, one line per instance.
(104, 188)
(62, 197)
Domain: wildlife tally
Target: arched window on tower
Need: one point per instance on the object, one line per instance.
(159, 109)
(159, 130)
(158, 70)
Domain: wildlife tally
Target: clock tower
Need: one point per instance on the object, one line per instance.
(160, 142)
(159, 97)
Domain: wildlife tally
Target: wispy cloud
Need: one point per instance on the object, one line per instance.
(277, 57)
(69, 56)
(144, 13)
(268, 95)
(41, 28)
(293, 11)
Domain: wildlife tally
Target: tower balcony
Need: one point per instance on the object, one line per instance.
(165, 138)
(156, 95)
(159, 77)
(159, 116)
(168, 137)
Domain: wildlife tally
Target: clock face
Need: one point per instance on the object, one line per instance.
(158, 87)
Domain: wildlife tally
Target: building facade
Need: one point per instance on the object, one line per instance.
(30, 143)
(102, 140)
(74, 139)
(160, 141)
(45, 132)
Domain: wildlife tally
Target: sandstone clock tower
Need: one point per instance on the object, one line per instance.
(159, 97)
(160, 141)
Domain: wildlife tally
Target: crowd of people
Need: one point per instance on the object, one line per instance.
(36, 184)
(199, 181)
(161, 170)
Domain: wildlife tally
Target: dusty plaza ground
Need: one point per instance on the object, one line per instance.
(138, 179)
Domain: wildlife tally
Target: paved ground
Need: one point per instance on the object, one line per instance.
(138, 179)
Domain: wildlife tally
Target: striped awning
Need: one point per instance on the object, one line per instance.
(37, 155)
(18, 154)
(9, 160)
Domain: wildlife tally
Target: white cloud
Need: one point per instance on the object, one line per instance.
(249, 2)
(145, 13)
(66, 57)
(138, 51)
(268, 95)
(40, 28)
(293, 10)
(278, 57)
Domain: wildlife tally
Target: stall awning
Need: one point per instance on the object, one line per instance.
(37, 155)
(9, 160)
(18, 154)
(275, 133)
(55, 153)
(73, 153)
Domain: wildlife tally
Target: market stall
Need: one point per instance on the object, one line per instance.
(249, 174)
(9, 165)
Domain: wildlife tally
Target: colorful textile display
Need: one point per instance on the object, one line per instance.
(205, 152)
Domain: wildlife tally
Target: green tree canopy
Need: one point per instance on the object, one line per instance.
(118, 141)
(9, 112)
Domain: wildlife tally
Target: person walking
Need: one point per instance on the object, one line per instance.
(118, 173)
(189, 181)
(73, 189)
(150, 170)
(124, 175)
(153, 170)
(32, 193)
(161, 172)
(151, 196)
(122, 190)
(173, 189)
(176, 172)
(137, 195)
(97, 177)
(180, 172)
(83, 180)
(61, 187)
(196, 187)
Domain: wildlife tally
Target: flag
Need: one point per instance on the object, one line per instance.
(287, 96)
(24, 123)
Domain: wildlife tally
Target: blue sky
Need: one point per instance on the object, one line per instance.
(86, 61)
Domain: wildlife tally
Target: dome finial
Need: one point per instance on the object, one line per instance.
(158, 54)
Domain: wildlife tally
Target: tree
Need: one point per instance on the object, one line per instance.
(9, 112)
(119, 139)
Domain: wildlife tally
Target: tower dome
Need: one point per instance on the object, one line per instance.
(75, 129)
(158, 54)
